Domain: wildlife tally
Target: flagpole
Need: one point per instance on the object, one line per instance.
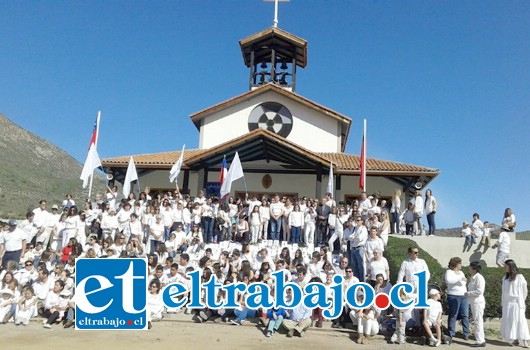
(95, 145)
(364, 158)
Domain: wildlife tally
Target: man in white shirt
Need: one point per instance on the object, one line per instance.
(45, 221)
(411, 266)
(357, 242)
(14, 243)
(364, 205)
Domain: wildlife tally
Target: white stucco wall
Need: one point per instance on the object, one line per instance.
(311, 129)
(303, 185)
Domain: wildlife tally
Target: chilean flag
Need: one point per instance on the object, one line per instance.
(92, 160)
(224, 170)
(362, 178)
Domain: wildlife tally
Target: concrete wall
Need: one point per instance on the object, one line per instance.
(444, 248)
(311, 130)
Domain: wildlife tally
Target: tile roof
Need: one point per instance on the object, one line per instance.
(164, 159)
(350, 162)
(343, 162)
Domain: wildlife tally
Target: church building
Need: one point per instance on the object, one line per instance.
(286, 142)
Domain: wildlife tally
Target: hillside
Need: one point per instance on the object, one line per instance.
(33, 169)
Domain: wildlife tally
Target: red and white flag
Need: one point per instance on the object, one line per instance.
(362, 178)
(235, 172)
(92, 160)
(224, 170)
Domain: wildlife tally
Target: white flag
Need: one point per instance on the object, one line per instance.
(330, 179)
(235, 172)
(175, 170)
(129, 177)
(92, 162)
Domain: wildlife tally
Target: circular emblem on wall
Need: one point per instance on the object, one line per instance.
(272, 116)
(266, 181)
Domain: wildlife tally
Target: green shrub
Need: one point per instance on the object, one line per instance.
(396, 252)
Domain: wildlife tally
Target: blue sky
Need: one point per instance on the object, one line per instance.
(443, 84)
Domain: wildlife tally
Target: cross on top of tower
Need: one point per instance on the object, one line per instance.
(275, 22)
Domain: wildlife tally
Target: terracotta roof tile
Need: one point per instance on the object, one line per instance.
(163, 159)
(345, 162)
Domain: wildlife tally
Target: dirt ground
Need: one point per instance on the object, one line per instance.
(178, 332)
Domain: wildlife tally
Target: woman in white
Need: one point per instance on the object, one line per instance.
(378, 266)
(26, 307)
(514, 293)
(310, 217)
(475, 295)
(124, 216)
(341, 218)
(72, 225)
(430, 210)
(155, 304)
(109, 224)
(156, 234)
(503, 246)
(385, 227)
(57, 234)
(366, 320)
(395, 212)
(287, 209)
(296, 222)
(265, 215)
(458, 305)
(255, 224)
(509, 219)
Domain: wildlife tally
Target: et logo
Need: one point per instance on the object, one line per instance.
(111, 294)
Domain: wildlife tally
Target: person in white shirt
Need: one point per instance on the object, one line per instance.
(265, 216)
(468, 236)
(456, 297)
(395, 212)
(509, 220)
(310, 219)
(418, 212)
(430, 210)
(503, 246)
(14, 243)
(411, 266)
(364, 205)
(433, 317)
(357, 245)
(477, 228)
(276, 213)
(475, 296)
(296, 220)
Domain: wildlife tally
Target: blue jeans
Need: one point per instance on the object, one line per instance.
(167, 231)
(243, 314)
(432, 225)
(357, 262)
(394, 223)
(275, 229)
(274, 324)
(295, 234)
(458, 310)
(207, 229)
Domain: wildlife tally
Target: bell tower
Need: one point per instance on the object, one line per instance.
(272, 56)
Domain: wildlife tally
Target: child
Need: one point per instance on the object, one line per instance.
(276, 317)
(27, 306)
(404, 317)
(6, 304)
(408, 217)
(487, 234)
(466, 233)
(432, 317)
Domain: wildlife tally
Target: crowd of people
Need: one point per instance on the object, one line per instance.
(245, 240)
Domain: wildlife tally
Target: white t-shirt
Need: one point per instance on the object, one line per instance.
(434, 310)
